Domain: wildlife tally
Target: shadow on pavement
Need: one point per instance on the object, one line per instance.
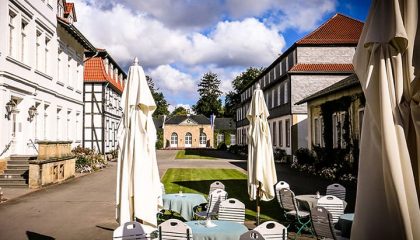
(37, 236)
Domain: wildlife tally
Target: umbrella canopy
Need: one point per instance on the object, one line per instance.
(261, 168)
(387, 203)
(138, 181)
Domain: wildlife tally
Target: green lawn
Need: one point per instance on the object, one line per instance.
(192, 154)
(198, 180)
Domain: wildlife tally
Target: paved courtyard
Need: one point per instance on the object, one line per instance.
(83, 208)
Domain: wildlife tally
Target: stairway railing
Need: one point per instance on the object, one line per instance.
(33, 145)
(6, 148)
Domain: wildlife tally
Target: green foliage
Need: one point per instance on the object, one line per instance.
(179, 111)
(305, 156)
(161, 103)
(227, 138)
(222, 146)
(209, 102)
(114, 153)
(86, 157)
(159, 143)
(279, 154)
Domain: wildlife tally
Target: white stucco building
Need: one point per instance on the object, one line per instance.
(41, 75)
(316, 61)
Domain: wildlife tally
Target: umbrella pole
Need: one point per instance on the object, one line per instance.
(258, 203)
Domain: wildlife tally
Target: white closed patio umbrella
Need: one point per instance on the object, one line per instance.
(138, 182)
(261, 168)
(387, 61)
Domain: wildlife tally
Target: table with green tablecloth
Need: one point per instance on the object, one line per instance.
(183, 203)
(223, 230)
(344, 224)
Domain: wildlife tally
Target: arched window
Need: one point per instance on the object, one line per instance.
(188, 139)
(174, 140)
(203, 139)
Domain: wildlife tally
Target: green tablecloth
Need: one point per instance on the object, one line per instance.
(183, 204)
(224, 230)
(344, 224)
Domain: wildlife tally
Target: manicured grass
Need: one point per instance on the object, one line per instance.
(198, 180)
(192, 154)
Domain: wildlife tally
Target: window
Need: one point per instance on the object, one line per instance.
(287, 132)
(174, 139)
(68, 125)
(24, 42)
(38, 50)
(274, 134)
(273, 97)
(232, 139)
(278, 95)
(12, 22)
(203, 138)
(286, 90)
(45, 121)
(361, 115)
(338, 130)
(69, 72)
(220, 138)
(188, 139)
(281, 133)
(107, 133)
(282, 93)
(272, 75)
(77, 127)
(46, 55)
(58, 124)
(317, 132)
(59, 65)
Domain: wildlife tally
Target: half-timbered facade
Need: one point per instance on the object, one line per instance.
(316, 61)
(103, 86)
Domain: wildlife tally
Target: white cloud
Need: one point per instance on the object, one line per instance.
(172, 80)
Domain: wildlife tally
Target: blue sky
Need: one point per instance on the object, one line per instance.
(177, 41)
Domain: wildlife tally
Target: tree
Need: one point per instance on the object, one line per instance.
(209, 102)
(233, 98)
(161, 103)
(179, 111)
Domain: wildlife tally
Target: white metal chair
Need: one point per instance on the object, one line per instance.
(337, 190)
(323, 225)
(212, 208)
(216, 185)
(278, 186)
(232, 210)
(334, 205)
(174, 229)
(163, 188)
(251, 235)
(130, 231)
(272, 230)
(290, 207)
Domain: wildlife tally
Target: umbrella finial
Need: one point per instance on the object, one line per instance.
(136, 61)
(258, 86)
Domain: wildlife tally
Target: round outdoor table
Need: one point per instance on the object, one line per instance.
(224, 230)
(344, 224)
(183, 203)
(309, 201)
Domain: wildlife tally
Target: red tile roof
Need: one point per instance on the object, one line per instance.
(322, 68)
(69, 8)
(339, 29)
(95, 72)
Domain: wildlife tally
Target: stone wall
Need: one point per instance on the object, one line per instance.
(181, 130)
(343, 55)
(3, 164)
(43, 173)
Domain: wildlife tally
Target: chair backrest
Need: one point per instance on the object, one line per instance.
(334, 205)
(278, 186)
(337, 190)
(321, 223)
(216, 185)
(287, 200)
(272, 230)
(174, 229)
(232, 209)
(251, 235)
(129, 231)
(216, 197)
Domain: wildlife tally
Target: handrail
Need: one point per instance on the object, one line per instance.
(33, 144)
(6, 147)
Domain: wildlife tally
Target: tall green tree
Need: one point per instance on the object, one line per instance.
(233, 98)
(209, 102)
(161, 103)
(179, 111)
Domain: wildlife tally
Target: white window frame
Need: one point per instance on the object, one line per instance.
(188, 139)
(174, 139)
(203, 139)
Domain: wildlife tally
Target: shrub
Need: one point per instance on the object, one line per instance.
(222, 146)
(88, 158)
(279, 154)
(305, 156)
(114, 153)
(159, 141)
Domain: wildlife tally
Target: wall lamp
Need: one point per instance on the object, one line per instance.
(10, 108)
(32, 112)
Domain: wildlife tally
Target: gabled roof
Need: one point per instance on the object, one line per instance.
(339, 29)
(199, 119)
(95, 72)
(72, 30)
(330, 68)
(224, 124)
(346, 83)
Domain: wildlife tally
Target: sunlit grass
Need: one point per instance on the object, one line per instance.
(191, 154)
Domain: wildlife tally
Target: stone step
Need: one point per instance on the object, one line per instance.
(18, 162)
(14, 185)
(13, 176)
(16, 171)
(17, 166)
(8, 181)
(22, 157)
